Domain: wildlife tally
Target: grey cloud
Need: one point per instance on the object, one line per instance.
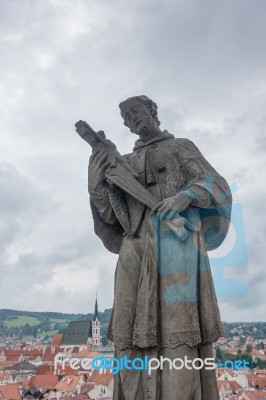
(21, 203)
(18, 195)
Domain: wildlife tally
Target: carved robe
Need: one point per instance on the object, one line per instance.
(164, 296)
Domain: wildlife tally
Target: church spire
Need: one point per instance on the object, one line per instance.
(96, 312)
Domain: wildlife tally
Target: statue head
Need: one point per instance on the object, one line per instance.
(140, 114)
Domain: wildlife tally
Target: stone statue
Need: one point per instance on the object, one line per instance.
(160, 208)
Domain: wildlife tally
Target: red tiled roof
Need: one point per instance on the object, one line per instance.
(66, 371)
(9, 352)
(24, 352)
(230, 372)
(258, 381)
(13, 358)
(45, 370)
(4, 364)
(221, 383)
(103, 379)
(50, 354)
(234, 385)
(46, 382)
(220, 371)
(15, 355)
(68, 384)
(256, 353)
(87, 387)
(10, 391)
(25, 384)
(78, 397)
(254, 395)
(232, 350)
(4, 375)
(86, 353)
(57, 339)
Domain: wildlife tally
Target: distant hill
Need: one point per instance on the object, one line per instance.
(11, 314)
(17, 323)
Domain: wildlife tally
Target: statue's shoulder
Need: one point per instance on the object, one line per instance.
(186, 147)
(184, 142)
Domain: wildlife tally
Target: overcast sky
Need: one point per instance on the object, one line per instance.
(202, 61)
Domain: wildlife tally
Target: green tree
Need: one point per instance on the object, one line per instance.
(248, 348)
(45, 325)
(247, 357)
(34, 331)
(261, 364)
(104, 341)
(218, 353)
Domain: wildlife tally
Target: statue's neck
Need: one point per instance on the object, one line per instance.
(146, 136)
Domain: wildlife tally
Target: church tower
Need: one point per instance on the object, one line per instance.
(96, 326)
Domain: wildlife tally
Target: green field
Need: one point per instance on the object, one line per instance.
(21, 321)
(48, 333)
(40, 334)
(60, 321)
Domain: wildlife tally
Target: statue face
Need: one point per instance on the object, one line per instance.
(138, 117)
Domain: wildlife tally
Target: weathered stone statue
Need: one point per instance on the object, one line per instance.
(160, 208)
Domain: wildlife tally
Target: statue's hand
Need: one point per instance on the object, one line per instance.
(174, 204)
(97, 167)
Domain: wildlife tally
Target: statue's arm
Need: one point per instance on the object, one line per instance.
(205, 186)
(98, 188)
(100, 199)
(106, 224)
(108, 205)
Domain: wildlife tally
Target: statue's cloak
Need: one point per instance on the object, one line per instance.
(164, 294)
